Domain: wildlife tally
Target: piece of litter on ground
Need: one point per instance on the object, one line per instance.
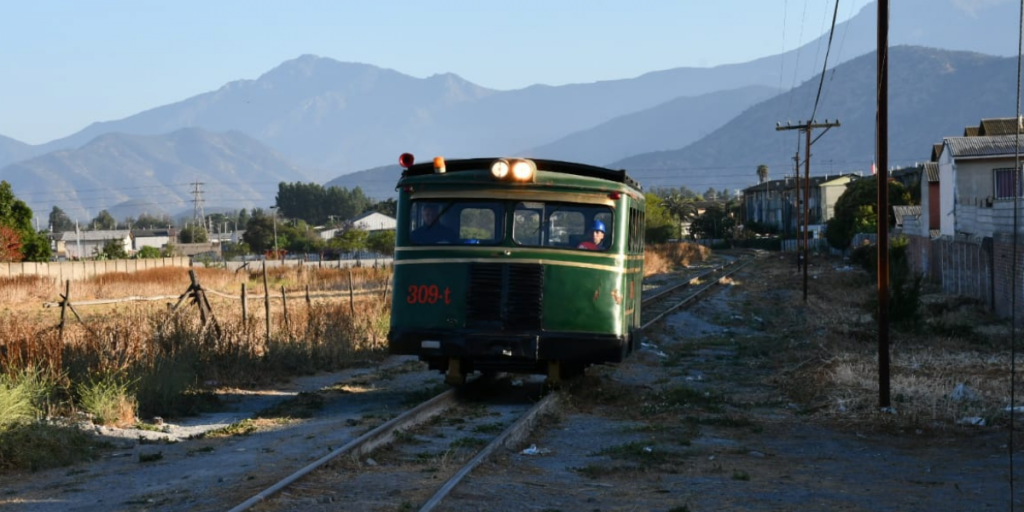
(972, 420)
(533, 450)
(648, 449)
(962, 392)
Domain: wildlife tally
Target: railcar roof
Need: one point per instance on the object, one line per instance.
(476, 164)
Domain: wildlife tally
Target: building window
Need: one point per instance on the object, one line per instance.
(1004, 183)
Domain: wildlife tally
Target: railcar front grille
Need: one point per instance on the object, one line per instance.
(505, 296)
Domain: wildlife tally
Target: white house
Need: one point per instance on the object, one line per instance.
(976, 195)
(157, 238)
(87, 244)
(374, 221)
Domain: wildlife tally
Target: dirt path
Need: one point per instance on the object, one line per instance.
(695, 424)
(697, 421)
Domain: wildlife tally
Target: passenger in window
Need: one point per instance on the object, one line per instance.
(596, 238)
(432, 230)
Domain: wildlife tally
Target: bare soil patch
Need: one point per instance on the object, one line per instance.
(751, 400)
(754, 400)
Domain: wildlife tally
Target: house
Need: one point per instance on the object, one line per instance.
(87, 244)
(157, 238)
(776, 202)
(374, 221)
(976, 177)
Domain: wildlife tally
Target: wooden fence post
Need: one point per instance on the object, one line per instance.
(351, 295)
(245, 308)
(266, 298)
(284, 302)
(64, 305)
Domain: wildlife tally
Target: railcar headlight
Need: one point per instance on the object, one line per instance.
(522, 170)
(499, 169)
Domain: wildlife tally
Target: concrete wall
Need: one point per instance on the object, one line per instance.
(75, 270)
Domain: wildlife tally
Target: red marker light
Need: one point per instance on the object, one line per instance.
(406, 160)
(615, 195)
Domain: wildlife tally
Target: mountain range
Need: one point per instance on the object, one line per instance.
(313, 118)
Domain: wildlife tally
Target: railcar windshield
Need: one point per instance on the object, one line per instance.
(562, 225)
(440, 222)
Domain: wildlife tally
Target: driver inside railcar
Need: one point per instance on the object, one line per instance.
(431, 228)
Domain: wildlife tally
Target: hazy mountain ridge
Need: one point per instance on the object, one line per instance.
(332, 117)
(932, 94)
(152, 174)
(672, 124)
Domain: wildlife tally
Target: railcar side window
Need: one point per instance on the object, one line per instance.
(455, 222)
(561, 225)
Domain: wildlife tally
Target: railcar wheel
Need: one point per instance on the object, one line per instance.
(455, 376)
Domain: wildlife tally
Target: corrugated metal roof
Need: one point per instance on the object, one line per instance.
(93, 235)
(902, 211)
(998, 126)
(981, 146)
(971, 131)
(931, 172)
(787, 183)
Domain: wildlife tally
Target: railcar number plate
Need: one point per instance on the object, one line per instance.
(428, 294)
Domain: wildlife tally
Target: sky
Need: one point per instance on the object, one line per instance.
(68, 63)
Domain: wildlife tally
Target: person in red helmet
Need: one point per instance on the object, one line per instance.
(597, 233)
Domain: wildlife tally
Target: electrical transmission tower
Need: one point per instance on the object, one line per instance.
(198, 215)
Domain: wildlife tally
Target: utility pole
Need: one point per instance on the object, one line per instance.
(882, 131)
(806, 128)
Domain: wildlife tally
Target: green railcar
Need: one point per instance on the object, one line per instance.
(516, 265)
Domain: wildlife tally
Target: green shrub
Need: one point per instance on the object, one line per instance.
(109, 399)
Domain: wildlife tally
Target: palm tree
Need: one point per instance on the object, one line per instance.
(683, 209)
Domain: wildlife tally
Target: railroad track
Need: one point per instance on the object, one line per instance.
(661, 302)
(327, 486)
(317, 484)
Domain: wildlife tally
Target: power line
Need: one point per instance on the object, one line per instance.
(824, 66)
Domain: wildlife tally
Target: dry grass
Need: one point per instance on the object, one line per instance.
(169, 356)
(828, 349)
(662, 258)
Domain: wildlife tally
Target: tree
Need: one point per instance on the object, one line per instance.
(59, 221)
(104, 220)
(382, 242)
(15, 214)
(193, 235)
(148, 252)
(147, 221)
(114, 250)
(661, 225)
(855, 210)
(683, 209)
(259, 232)
(351, 240)
(387, 207)
(762, 173)
(715, 222)
(10, 245)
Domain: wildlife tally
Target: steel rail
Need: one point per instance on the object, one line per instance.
(729, 269)
(364, 443)
(512, 435)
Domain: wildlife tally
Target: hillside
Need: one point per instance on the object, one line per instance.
(671, 125)
(131, 174)
(933, 93)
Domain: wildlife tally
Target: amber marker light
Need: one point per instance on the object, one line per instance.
(439, 164)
